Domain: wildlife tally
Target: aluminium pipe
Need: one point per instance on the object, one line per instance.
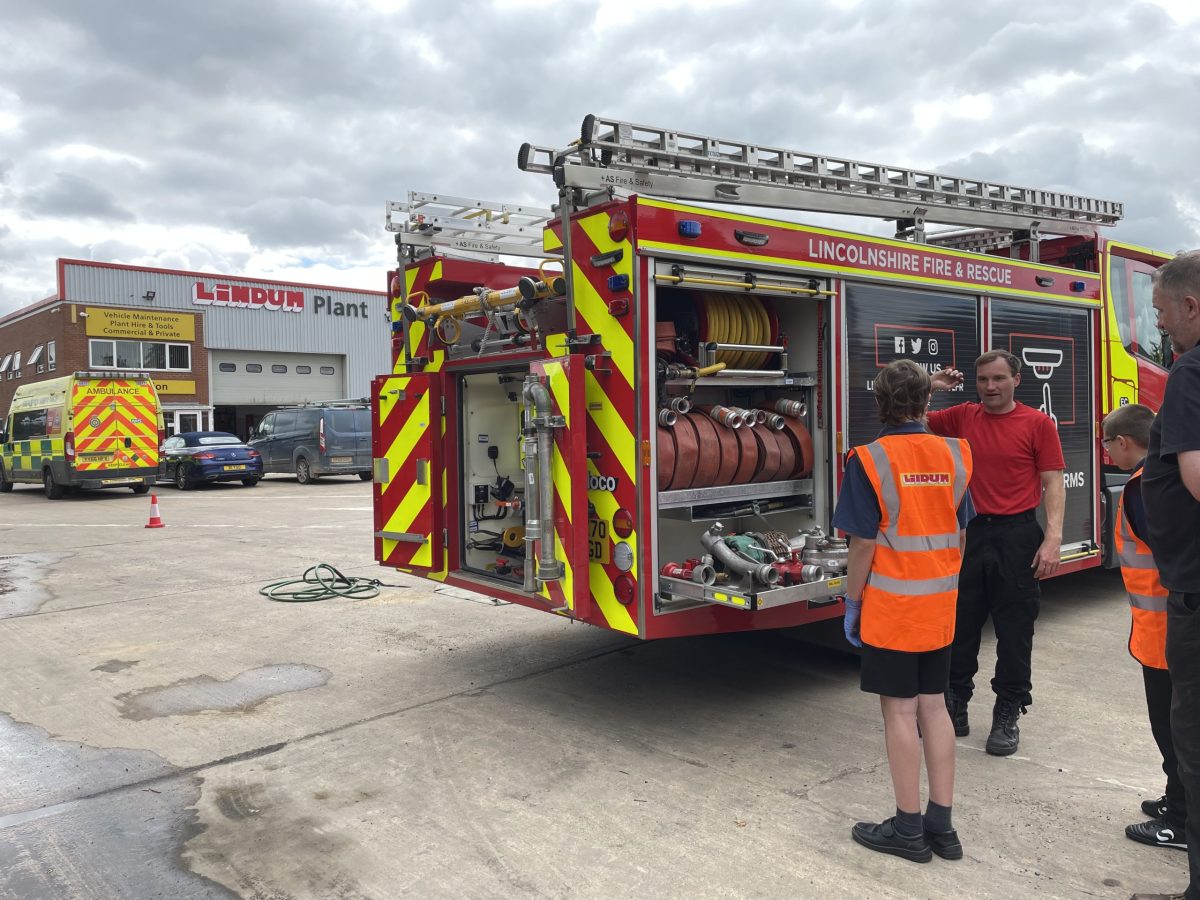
(714, 542)
(548, 566)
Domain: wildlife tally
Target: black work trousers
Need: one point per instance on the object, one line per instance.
(997, 580)
(1158, 705)
(1183, 662)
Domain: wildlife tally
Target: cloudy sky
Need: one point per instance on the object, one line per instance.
(263, 138)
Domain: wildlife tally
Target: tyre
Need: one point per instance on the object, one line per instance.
(250, 482)
(5, 484)
(181, 478)
(365, 476)
(53, 489)
(141, 488)
(304, 472)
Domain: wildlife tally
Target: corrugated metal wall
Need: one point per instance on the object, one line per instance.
(363, 337)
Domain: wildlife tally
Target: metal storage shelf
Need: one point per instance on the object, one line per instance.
(765, 491)
(792, 379)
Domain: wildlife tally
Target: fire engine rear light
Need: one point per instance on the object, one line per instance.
(622, 523)
(689, 228)
(618, 226)
(623, 587)
(321, 435)
(618, 282)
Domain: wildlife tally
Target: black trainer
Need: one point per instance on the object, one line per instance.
(883, 838)
(957, 707)
(1005, 734)
(945, 843)
(1155, 809)
(1157, 833)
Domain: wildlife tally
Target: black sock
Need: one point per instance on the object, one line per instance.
(908, 824)
(937, 818)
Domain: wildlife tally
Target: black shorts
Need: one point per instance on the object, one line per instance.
(895, 673)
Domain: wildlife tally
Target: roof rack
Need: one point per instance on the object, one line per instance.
(612, 155)
(437, 224)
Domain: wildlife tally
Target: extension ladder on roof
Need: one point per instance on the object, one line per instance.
(429, 223)
(621, 156)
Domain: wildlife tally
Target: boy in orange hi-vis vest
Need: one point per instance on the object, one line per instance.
(1126, 436)
(905, 505)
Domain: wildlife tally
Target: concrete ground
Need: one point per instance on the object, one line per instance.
(167, 732)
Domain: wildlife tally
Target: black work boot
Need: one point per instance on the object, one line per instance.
(1005, 734)
(957, 707)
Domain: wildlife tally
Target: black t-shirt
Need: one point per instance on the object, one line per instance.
(1172, 513)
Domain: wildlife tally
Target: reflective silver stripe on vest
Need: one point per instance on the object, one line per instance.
(914, 587)
(1131, 554)
(1150, 604)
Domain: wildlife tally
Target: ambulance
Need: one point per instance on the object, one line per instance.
(87, 430)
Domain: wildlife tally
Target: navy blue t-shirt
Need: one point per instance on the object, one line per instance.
(858, 510)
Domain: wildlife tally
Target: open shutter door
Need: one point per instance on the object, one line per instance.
(569, 473)
(406, 438)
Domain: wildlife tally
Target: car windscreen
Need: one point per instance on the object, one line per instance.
(210, 440)
(347, 421)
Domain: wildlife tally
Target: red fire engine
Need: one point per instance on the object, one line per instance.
(644, 426)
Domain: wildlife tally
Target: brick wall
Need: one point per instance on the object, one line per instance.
(54, 323)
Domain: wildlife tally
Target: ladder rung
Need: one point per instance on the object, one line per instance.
(429, 223)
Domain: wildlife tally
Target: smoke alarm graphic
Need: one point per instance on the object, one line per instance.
(1043, 361)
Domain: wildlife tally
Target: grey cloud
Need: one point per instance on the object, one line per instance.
(70, 196)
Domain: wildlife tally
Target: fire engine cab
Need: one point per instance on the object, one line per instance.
(633, 409)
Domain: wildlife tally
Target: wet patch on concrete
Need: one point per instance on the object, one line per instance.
(21, 591)
(207, 694)
(80, 821)
(116, 665)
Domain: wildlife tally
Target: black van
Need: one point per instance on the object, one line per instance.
(332, 439)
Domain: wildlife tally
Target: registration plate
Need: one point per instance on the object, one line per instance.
(238, 468)
(599, 546)
(340, 460)
(120, 480)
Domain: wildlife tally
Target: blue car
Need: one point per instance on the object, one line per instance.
(194, 457)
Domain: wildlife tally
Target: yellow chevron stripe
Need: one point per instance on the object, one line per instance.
(613, 428)
(418, 496)
(595, 311)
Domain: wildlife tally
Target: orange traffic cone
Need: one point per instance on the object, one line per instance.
(155, 519)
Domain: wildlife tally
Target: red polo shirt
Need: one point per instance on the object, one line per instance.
(1011, 451)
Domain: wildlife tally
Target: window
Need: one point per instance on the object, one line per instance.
(303, 370)
(216, 440)
(136, 355)
(1131, 291)
(326, 370)
(36, 356)
(348, 421)
(285, 422)
(51, 355)
(30, 423)
(279, 369)
(227, 367)
(266, 426)
(4, 364)
(253, 367)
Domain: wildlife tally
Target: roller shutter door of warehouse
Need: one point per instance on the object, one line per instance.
(246, 377)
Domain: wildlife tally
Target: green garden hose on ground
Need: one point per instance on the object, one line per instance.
(321, 582)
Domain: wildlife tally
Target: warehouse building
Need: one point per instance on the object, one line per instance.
(223, 350)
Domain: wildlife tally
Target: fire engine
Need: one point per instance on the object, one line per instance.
(633, 409)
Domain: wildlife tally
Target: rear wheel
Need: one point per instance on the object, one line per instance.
(181, 478)
(249, 482)
(53, 489)
(141, 488)
(5, 484)
(365, 476)
(304, 472)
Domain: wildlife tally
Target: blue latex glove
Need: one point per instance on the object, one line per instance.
(850, 623)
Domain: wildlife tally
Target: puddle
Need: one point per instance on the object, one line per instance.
(206, 694)
(116, 665)
(80, 821)
(21, 592)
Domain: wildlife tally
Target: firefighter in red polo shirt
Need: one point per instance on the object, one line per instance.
(1018, 461)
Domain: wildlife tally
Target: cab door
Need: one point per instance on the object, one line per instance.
(576, 539)
(407, 432)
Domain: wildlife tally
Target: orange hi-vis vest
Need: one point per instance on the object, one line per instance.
(1147, 596)
(912, 590)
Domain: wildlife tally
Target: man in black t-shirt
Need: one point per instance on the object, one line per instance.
(1171, 494)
